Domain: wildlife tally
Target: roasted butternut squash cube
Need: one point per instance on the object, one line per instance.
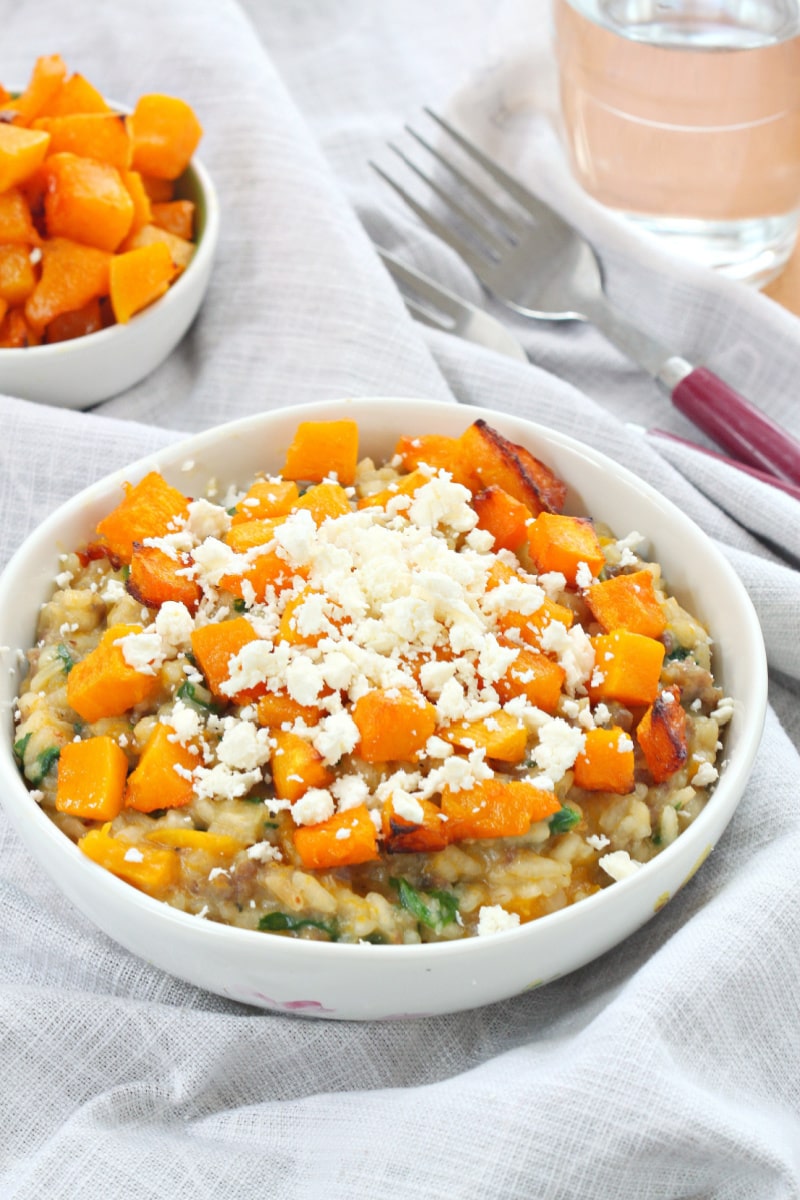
(17, 276)
(86, 201)
(103, 684)
(151, 509)
(627, 667)
(560, 543)
(296, 766)
(606, 762)
(323, 449)
(162, 776)
(138, 278)
(165, 135)
(72, 276)
(21, 152)
(91, 779)
(662, 736)
(343, 840)
(627, 602)
(394, 724)
(102, 136)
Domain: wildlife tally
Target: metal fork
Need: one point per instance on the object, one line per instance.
(433, 305)
(534, 262)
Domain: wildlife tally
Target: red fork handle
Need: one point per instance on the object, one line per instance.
(734, 423)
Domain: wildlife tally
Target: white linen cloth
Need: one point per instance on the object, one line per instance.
(671, 1067)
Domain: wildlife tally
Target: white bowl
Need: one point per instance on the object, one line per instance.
(365, 981)
(86, 370)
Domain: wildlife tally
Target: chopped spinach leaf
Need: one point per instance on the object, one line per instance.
(278, 921)
(565, 819)
(678, 654)
(655, 837)
(436, 909)
(189, 693)
(44, 763)
(375, 939)
(126, 572)
(20, 745)
(156, 813)
(239, 605)
(67, 661)
(232, 511)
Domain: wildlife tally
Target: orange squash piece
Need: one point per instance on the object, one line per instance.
(47, 78)
(289, 628)
(16, 223)
(434, 450)
(267, 570)
(343, 840)
(560, 543)
(72, 276)
(530, 626)
(503, 516)
(155, 578)
(627, 667)
(176, 216)
(149, 868)
(627, 602)
(159, 779)
(21, 152)
(91, 779)
(501, 736)
(489, 459)
(180, 250)
(322, 449)
(138, 278)
(76, 95)
(77, 323)
(296, 766)
(278, 708)
(394, 724)
(86, 201)
(266, 498)
(402, 836)
(101, 136)
(103, 684)
(325, 500)
(15, 332)
(606, 762)
(151, 509)
(159, 190)
(661, 734)
(496, 808)
(17, 276)
(534, 676)
(215, 645)
(165, 134)
(142, 208)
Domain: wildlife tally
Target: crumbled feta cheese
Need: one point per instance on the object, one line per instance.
(144, 652)
(174, 624)
(207, 520)
(493, 918)
(314, 806)
(619, 865)
(264, 852)
(705, 774)
(598, 841)
(558, 747)
(133, 855)
(243, 747)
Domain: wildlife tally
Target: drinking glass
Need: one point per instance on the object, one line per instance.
(684, 115)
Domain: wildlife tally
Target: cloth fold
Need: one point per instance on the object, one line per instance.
(669, 1068)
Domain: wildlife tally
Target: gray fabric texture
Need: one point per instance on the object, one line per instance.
(670, 1067)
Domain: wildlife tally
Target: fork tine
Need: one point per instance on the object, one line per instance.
(437, 296)
(489, 239)
(504, 219)
(532, 204)
(477, 262)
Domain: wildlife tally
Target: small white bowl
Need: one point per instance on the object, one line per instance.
(360, 982)
(86, 370)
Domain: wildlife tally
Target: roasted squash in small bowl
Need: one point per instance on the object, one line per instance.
(108, 229)
(325, 745)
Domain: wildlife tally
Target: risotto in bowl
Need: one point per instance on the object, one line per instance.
(373, 709)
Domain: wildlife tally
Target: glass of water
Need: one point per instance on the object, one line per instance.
(684, 115)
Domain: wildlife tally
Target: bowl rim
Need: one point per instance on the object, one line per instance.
(200, 261)
(212, 931)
